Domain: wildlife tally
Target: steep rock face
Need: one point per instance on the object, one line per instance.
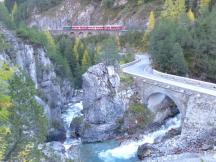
(55, 91)
(77, 12)
(102, 105)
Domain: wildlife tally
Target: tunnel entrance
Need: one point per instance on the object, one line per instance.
(162, 106)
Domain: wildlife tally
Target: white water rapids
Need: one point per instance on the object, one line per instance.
(72, 112)
(128, 150)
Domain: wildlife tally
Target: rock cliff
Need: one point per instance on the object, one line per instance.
(54, 91)
(102, 105)
(77, 12)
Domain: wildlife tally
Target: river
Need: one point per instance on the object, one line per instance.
(112, 151)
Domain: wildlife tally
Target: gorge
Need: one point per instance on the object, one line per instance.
(147, 93)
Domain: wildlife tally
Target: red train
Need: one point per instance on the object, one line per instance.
(95, 27)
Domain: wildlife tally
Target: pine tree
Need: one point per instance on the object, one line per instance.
(168, 9)
(150, 27)
(180, 7)
(173, 9)
(151, 22)
(178, 63)
(203, 5)
(76, 49)
(109, 53)
(85, 61)
(50, 44)
(28, 122)
(190, 16)
(97, 53)
(14, 11)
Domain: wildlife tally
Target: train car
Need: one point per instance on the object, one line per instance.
(94, 27)
(67, 28)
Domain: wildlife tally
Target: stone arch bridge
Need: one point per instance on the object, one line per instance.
(196, 100)
(83, 34)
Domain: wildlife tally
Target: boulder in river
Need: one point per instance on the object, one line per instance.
(144, 151)
(102, 106)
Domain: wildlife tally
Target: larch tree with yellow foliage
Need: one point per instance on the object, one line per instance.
(203, 5)
(190, 15)
(14, 11)
(151, 24)
(173, 9)
(150, 27)
(50, 44)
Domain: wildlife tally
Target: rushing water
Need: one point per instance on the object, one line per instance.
(113, 151)
(74, 110)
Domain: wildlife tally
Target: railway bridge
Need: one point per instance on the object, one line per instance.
(84, 31)
(195, 100)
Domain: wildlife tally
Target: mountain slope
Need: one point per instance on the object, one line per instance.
(78, 12)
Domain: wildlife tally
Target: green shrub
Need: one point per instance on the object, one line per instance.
(126, 58)
(126, 79)
(140, 113)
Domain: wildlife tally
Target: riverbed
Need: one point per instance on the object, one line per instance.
(111, 151)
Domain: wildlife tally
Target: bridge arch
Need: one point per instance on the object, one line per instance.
(175, 98)
(89, 33)
(81, 33)
(72, 34)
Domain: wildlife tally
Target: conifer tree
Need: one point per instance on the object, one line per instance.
(203, 5)
(190, 16)
(173, 9)
(151, 21)
(50, 44)
(168, 9)
(5, 104)
(78, 50)
(85, 60)
(97, 53)
(180, 7)
(28, 122)
(148, 30)
(14, 11)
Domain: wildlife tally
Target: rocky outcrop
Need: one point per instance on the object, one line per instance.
(54, 91)
(76, 12)
(101, 103)
(55, 152)
(144, 151)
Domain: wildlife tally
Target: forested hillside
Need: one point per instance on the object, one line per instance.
(183, 40)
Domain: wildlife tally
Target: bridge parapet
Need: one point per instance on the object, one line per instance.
(131, 63)
(186, 80)
(168, 86)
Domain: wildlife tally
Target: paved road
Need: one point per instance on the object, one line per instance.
(143, 69)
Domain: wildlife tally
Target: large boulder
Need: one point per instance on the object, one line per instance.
(101, 103)
(55, 152)
(144, 151)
